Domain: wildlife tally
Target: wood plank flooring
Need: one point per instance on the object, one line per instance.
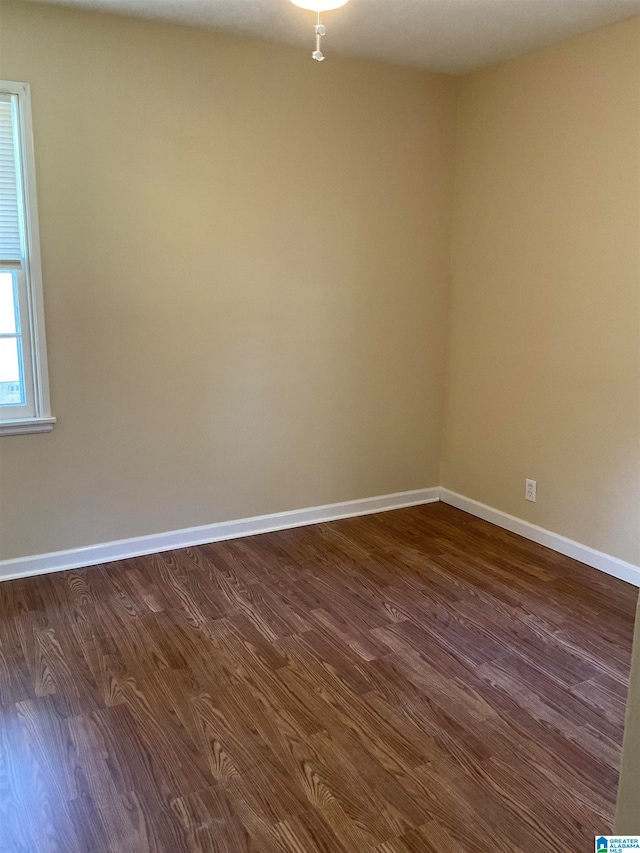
(417, 680)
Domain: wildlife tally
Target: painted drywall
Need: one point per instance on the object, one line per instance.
(543, 369)
(245, 263)
(628, 807)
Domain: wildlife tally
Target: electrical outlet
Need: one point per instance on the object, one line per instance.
(531, 487)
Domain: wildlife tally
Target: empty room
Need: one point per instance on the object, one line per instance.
(319, 426)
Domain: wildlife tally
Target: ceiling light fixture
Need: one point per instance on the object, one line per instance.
(319, 6)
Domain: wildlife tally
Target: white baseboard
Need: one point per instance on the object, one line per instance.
(597, 559)
(107, 552)
(138, 546)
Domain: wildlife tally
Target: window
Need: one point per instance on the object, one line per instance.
(24, 383)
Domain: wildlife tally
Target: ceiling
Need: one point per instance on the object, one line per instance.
(452, 36)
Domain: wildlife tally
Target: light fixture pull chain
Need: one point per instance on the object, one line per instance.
(317, 54)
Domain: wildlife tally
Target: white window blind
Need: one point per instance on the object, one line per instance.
(10, 243)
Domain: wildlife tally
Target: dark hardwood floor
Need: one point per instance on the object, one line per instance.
(417, 680)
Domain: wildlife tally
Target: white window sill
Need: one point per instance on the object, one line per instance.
(21, 426)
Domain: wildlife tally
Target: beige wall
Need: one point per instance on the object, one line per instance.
(245, 261)
(628, 810)
(544, 349)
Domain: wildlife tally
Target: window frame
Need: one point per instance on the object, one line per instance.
(36, 413)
